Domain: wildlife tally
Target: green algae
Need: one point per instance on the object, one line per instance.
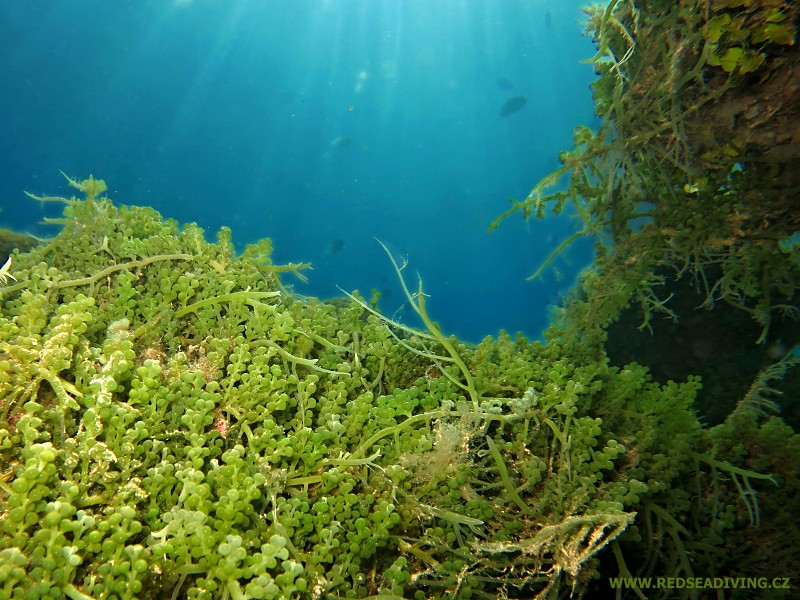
(176, 424)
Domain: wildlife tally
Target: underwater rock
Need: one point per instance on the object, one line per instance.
(716, 343)
(11, 239)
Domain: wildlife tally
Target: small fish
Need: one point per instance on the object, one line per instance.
(335, 246)
(341, 142)
(5, 272)
(512, 105)
(504, 83)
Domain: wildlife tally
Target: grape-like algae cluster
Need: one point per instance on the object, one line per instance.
(176, 424)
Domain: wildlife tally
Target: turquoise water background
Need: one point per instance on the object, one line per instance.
(319, 123)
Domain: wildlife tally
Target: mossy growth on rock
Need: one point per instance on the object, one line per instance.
(174, 423)
(692, 173)
(690, 190)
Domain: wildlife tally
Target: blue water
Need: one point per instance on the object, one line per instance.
(319, 123)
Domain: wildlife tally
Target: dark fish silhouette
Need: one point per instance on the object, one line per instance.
(512, 105)
(335, 246)
(504, 83)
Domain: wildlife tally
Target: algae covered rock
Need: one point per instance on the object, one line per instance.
(175, 423)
